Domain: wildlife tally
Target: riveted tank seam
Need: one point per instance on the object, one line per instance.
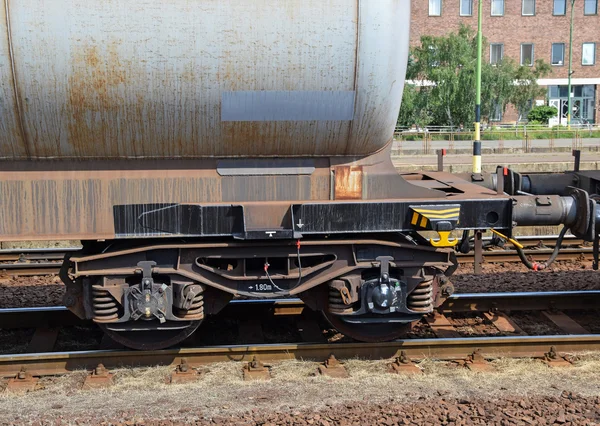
(14, 79)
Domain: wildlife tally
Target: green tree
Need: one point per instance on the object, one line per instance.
(525, 89)
(443, 67)
(444, 71)
(542, 114)
(412, 111)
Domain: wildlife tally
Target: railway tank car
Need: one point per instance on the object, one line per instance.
(206, 149)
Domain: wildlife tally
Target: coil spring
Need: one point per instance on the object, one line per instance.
(336, 301)
(196, 310)
(421, 299)
(104, 305)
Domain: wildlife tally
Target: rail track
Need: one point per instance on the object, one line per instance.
(438, 348)
(32, 262)
(58, 316)
(446, 341)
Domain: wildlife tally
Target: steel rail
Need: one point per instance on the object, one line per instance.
(56, 363)
(22, 269)
(11, 318)
(493, 256)
(497, 256)
(549, 240)
(17, 262)
(59, 252)
(52, 253)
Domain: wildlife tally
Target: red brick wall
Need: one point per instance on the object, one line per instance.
(512, 29)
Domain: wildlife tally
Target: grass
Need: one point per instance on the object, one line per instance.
(221, 390)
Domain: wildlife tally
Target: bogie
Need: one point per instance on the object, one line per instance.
(154, 296)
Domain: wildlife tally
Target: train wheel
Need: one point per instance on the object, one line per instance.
(364, 331)
(150, 338)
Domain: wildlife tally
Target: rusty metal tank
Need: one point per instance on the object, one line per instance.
(200, 78)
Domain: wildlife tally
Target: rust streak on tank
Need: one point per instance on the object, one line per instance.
(95, 99)
(348, 182)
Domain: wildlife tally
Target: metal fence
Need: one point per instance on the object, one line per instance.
(509, 128)
(530, 137)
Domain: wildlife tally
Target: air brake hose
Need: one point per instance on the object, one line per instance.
(535, 266)
(465, 245)
(596, 252)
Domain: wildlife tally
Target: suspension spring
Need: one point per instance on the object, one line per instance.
(196, 310)
(104, 305)
(421, 299)
(338, 298)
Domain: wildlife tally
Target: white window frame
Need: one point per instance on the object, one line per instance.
(593, 54)
(460, 7)
(503, 7)
(440, 7)
(523, 8)
(585, 3)
(496, 114)
(564, 8)
(552, 55)
(501, 52)
(532, 54)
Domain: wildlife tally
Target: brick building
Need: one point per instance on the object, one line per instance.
(526, 30)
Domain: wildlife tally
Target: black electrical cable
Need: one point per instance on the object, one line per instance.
(464, 245)
(299, 269)
(299, 263)
(535, 266)
(596, 246)
(596, 252)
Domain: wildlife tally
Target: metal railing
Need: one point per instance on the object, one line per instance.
(540, 136)
(520, 127)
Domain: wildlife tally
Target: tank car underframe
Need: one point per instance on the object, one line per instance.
(363, 263)
(382, 285)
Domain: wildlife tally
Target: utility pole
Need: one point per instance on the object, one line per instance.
(570, 65)
(477, 140)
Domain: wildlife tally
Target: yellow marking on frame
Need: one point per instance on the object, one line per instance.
(441, 216)
(424, 222)
(452, 210)
(415, 219)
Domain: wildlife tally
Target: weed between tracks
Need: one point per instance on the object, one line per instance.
(221, 389)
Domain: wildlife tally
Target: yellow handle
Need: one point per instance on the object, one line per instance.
(513, 241)
(444, 241)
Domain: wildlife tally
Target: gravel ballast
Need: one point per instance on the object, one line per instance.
(519, 392)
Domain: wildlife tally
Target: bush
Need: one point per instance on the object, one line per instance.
(541, 114)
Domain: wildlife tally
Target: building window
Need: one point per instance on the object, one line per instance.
(524, 110)
(435, 7)
(496, 113)
(588, 55)
(466, 7)
(560, 7)
(558, 53)
(496, 53)
(497, 7)
(528, 8)
(590, 7)
(527, 54)
(583, 102)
